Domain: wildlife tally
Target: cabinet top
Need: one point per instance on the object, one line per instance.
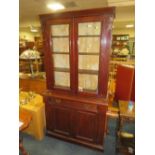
(81, 13)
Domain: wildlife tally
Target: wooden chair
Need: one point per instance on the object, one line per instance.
(125, 83)
(124, 90)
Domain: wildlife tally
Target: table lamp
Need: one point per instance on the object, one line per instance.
(31, 55)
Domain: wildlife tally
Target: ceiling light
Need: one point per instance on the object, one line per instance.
(129, 26)
(55, 6)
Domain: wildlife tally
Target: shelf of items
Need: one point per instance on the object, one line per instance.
(120, 47)
(122, 54)
(25, 45)
(24, 65)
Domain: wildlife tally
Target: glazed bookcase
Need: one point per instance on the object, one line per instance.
(77, 49)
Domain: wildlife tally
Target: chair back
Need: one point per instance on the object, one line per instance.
(125, 83)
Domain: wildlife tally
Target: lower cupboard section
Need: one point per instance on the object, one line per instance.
(80, 124)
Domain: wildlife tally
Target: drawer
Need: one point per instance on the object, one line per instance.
(72, 104)
(54, 100)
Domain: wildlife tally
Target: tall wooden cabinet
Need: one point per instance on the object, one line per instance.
(77, 48)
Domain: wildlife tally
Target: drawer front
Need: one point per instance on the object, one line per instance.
(73, 104)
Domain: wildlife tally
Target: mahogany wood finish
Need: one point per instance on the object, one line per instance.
(109, 11)
(76, 118)
(72, 115)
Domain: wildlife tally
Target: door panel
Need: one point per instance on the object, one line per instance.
(62, 120)
(86, 124)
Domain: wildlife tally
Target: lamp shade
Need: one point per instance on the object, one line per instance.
(30, 54)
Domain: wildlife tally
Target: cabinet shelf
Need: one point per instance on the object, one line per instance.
(89, 36)
(86, 53)
(86, 71)
(61, 69)
(60, 36)
(61, 52)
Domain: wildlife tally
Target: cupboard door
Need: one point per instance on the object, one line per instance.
(86, 126)
(60, 47)
(62, 120)
(88, 47)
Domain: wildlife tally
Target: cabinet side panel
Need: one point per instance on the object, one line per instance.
(101, 123)
(105, 55)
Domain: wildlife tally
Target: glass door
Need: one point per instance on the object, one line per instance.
(60, 48)
(88, 56)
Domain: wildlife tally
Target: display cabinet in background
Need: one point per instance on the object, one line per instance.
(77, 52)
(123, 46)
(123, 53)
(120, 46)
(37, 44)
